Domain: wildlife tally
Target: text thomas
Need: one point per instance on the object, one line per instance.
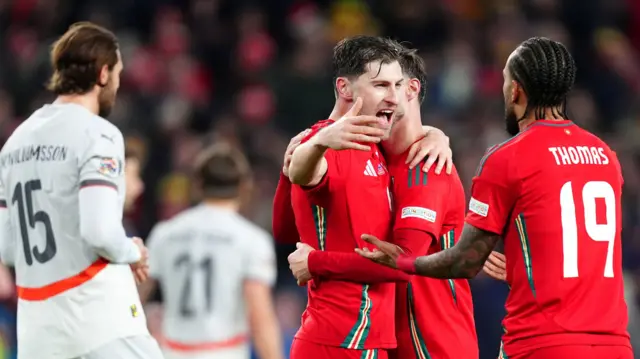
(579, 155)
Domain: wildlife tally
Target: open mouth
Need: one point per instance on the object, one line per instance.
(385, 115)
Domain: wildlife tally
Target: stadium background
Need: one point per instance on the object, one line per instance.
(257, 72)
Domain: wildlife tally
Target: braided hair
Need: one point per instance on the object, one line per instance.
(546, 71)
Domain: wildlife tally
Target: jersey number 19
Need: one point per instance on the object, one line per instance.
(600, 232)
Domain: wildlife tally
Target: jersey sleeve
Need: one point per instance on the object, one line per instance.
(351, 267)
(261, 260)
(102, 164)
(100, 208)
(493, 192)
(319, 194)
(283, 219)
(421, 204)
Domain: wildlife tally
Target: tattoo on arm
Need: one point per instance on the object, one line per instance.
(464, 260)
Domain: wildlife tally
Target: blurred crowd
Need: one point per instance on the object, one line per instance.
(255, 73)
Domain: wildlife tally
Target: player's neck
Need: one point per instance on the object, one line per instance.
(232, 205)
(405, 132)
(340, 108)
(88, 101)
(550, 114)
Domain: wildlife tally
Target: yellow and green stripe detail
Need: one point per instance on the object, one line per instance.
(416, 177)
(419, 346)
(526, 250)
(320, 220)
(360, 331)
(502, 354)
(369, 354)
(447, 241)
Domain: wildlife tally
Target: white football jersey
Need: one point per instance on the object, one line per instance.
(50, 156)
(201, 259)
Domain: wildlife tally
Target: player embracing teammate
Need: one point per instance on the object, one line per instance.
(553, 193)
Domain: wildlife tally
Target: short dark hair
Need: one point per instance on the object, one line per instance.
(351, 55)
(78, 56)
(414, 66)
(546, 71)
(222, 170)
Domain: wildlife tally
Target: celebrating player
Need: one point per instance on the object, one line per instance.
(553, 192)
(429, 215)
(216, 269)
(339, 174)
(62, 193)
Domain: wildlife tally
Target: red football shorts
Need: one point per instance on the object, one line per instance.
(579, 352)
(302, 349)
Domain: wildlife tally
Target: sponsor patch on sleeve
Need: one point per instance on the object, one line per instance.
(109, 166)
(419, 212)
(479, 208)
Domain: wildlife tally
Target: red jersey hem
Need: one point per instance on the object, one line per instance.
(519, 346)
(332, 343)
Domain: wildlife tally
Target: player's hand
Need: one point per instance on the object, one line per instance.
(434, 147)
(352, 131)
(293, 144)
(299, 263)
(385, 253)
(496, 266)
(140, 269)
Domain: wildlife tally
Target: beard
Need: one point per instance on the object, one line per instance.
(511, 121)
(106, 100)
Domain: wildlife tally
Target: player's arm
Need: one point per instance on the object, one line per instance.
(101, 166)
(7, 240)
(493, 197)
(260, 276)
(308, 162)
(421, 200)
(154, 245)
(351, 267)
(283, 219)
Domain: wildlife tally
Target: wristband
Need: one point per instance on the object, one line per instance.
(406, 264)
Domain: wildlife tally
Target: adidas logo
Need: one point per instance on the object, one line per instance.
(369, 170)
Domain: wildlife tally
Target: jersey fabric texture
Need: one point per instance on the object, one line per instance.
(201, 259)
(434, 317)
(352, 199)
(68, 303)
(553, 192)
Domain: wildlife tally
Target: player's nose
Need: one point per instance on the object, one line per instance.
(392, 96)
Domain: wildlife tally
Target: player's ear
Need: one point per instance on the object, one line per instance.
(343, 88)
(515, 91)
(413, 89)
(103, 77)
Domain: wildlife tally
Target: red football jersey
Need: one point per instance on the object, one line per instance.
(353, 198)
(434, 317)
(553, 192)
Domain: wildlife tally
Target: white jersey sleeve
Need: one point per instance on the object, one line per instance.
(7, 240)
(101, 225)
(261, 260)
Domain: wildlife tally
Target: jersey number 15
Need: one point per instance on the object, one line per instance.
(28, 218)
(605, 232)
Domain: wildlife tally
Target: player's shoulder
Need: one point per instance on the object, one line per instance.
(99, 128)
(499, 155)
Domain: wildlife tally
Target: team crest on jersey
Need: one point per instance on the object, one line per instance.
(109, 166)
(380, 169)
